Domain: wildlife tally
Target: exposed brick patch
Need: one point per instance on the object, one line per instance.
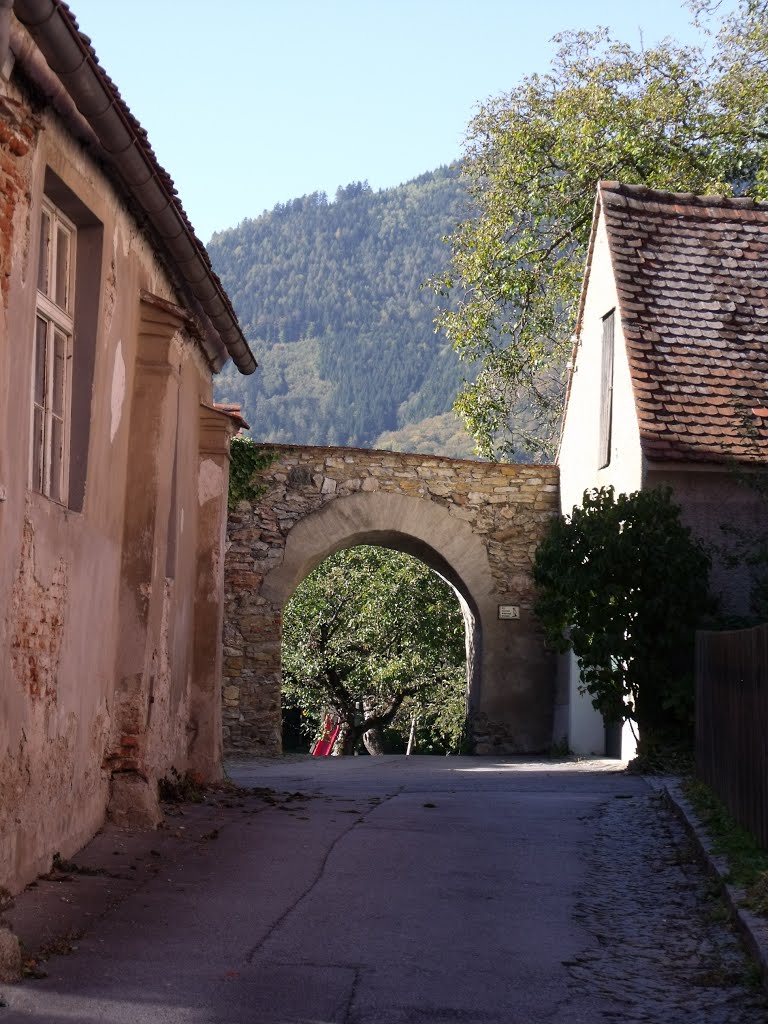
(38, 612)
(18, 128)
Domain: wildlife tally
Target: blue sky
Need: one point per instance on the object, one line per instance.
(253, 102)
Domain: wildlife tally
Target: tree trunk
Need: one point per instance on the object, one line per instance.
(345, 741)
(374, 741)
(373, 738)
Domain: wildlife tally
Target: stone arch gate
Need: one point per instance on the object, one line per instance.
(475, 523)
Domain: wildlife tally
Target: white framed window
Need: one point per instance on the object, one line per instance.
(53, 347)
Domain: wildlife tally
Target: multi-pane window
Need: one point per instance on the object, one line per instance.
(54, 329)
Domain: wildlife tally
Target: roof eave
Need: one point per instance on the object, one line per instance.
(123, 147)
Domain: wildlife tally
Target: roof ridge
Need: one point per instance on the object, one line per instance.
(657, 195)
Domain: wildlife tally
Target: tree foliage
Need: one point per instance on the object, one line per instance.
(623, 584)
(683, 118)
(376, 637)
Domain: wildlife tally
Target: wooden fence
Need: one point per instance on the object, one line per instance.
(732, 722)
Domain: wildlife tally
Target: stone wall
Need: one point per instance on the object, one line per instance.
(477, 523)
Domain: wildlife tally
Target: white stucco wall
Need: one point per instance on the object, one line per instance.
(578, 458)
(579, 445)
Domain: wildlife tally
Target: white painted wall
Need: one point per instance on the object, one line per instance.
(578, 459)
(586, 731)
(579, 446)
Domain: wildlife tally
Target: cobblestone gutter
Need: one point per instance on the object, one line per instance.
(753, 929)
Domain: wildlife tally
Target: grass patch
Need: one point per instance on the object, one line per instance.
(747, 860)
(559, 750)
(662, 761)
(69, 867)
(32, 964)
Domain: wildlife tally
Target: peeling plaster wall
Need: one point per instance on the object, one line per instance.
(55, 698)
(170, 729)
(72, 717)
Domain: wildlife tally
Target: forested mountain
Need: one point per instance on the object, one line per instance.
(330, 296)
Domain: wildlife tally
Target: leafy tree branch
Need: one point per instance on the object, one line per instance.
(682, 118)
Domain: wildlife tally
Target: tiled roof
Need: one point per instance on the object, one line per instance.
(692, 279)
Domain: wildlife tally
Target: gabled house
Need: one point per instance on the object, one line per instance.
(113, 457)
(668, 377)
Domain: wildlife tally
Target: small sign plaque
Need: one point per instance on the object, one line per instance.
(509, 611)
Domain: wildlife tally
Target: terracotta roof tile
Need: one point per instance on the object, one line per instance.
(692, 278)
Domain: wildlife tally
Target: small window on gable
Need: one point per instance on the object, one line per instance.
(69, 248)
(606, 392)
(54, 333)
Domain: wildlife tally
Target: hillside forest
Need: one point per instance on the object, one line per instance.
(330, 296)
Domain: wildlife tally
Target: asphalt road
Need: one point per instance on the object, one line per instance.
(405, 891)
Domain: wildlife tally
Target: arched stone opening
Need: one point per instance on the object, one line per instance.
(476, 524)
(405, 524)
(460, 558)
(458, 607)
